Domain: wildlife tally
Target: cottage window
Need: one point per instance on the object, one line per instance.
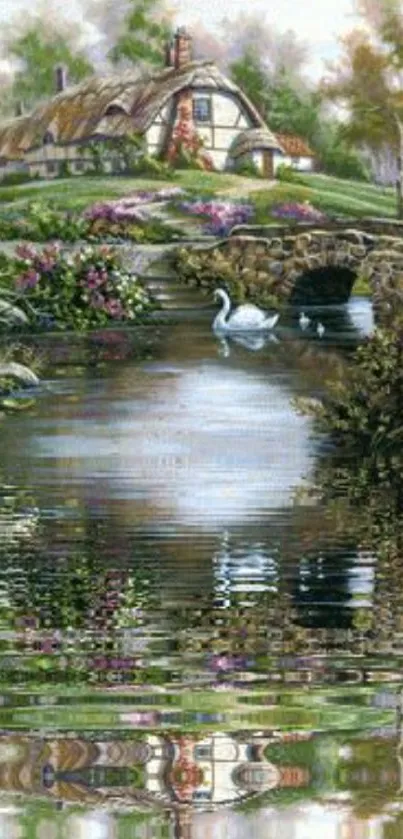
(202, 752)
(202, 108)
(48, 138)
(201, 795)
(79, 165)
(51, 167)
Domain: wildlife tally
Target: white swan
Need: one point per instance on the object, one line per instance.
(247, 317)
(320, 330)
(304, 321)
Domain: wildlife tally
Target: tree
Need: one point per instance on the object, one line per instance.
(294, 112)
(35, 44)
(248, 74)
(146, 29)
(368, 78)
(39, 53)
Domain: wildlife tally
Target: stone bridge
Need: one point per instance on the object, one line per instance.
(307, 265)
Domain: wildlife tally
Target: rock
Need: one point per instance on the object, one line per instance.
(276, 267)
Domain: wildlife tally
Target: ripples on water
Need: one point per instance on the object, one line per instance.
(191, 642)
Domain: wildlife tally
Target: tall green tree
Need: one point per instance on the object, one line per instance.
(368, 81)
(144, 34)
(249, 75)
(38, 52)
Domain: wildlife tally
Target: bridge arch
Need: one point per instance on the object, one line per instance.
(302, 266)
(325, 286)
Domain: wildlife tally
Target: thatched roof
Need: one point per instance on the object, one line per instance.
(112, 106)
(294, 146)
(253, 139)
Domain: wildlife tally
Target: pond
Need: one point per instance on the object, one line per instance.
(193, 641)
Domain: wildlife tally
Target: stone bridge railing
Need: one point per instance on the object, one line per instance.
(307, 264)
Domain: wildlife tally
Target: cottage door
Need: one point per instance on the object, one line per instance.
(267, 167)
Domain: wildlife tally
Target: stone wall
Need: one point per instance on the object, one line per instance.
(311, 266)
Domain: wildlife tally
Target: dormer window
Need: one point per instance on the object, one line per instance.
(48, 138)
(202, 111)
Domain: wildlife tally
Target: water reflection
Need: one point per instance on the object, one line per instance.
(200, 603)
(177, 786)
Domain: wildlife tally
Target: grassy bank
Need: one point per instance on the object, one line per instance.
(333, 195)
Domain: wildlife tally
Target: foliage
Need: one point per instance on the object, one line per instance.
(210, 269)
(337, 157)
(363, 408)
(38, 50)
(150, 167)
(80, 291)
(287, 174)
(16, 178)
(186, 147)
(112, 220)
(144, 37)
(249, 75)
(367, 79)
(292, 111)
(247, 168)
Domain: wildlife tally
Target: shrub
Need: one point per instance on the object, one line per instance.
(80, 291)
(287, 174)
(343, 162)
(247, 168)
(16, 178)
(363, 408)
(152, 168)
(122, 219)
(186, 150)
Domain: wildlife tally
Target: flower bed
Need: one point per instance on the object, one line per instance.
(127, 218)
(222, 216)
(74, 291)
(298, 212)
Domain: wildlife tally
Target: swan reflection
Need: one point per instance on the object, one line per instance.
(250, 341)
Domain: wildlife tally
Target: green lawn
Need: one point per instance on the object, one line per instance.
(79, 192)
(332, 195)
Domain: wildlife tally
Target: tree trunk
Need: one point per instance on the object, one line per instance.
(399, 181)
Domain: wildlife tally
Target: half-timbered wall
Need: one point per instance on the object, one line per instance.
(303, 164)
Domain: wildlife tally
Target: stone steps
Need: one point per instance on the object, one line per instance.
(172, 295)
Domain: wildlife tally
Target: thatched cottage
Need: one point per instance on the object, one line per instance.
(150, 105)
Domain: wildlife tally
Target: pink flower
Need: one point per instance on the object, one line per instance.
(25, 252)
(94, 278)
(28, 279)
(114, 308)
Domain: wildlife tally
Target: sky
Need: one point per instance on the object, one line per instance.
(318, 22)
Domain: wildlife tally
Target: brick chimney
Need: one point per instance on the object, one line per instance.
(60, 78)
(182, 48)
(169, 54)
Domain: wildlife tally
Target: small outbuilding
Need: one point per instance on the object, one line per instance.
(257, 146)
